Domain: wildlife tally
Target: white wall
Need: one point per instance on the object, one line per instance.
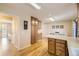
(16, 34)
(25, 34)
(45, 29)
(22, 38)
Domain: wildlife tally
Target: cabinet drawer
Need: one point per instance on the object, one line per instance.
(51, 39)
(60, 41)
(52, 50)
(60, 45)
(51, 42)
(60, 53)
(61, 49)
(51, 45)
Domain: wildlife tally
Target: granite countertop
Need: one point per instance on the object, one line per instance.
(73, 43)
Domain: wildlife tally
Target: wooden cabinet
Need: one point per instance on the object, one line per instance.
(57, 47)
(35, 26)
(51, 46)
(60, 41)
(60, 47)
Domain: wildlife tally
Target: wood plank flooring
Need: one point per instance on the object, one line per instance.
(38, 49)
(7, 48)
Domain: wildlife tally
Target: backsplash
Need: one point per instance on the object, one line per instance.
(63, 34)
(57, 32)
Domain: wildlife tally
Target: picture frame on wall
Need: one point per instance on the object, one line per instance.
(25, 25)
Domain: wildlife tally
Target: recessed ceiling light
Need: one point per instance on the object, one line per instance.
(52, 19)
(35, 5)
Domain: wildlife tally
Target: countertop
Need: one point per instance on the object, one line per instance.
(73, 43)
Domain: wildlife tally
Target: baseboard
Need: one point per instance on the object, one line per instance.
(14, 45)
(19, 49)
(24, 47)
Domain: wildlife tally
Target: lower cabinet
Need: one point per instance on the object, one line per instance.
(57, 47)
(51, 46)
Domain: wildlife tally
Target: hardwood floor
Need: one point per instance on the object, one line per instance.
(37, 49)
(7, 48)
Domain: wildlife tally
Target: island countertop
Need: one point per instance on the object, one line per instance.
(73, 43)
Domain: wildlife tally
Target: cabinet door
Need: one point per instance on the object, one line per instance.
(60, 52)
(51, 46)
(60, 47)
(60, 41)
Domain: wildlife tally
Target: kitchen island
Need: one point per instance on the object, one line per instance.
(71, 43)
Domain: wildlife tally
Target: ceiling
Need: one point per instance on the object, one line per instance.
(58, 11)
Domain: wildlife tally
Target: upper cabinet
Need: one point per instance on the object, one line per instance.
(61, 26)
(58, 27)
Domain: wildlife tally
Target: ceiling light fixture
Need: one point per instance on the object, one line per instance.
(35, 5)
(52, 19)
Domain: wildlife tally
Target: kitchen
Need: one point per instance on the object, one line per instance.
(63, 37)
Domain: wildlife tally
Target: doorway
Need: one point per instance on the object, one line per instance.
(9, 38)
(5, 35)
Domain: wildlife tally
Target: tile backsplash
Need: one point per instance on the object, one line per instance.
(58, 33)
